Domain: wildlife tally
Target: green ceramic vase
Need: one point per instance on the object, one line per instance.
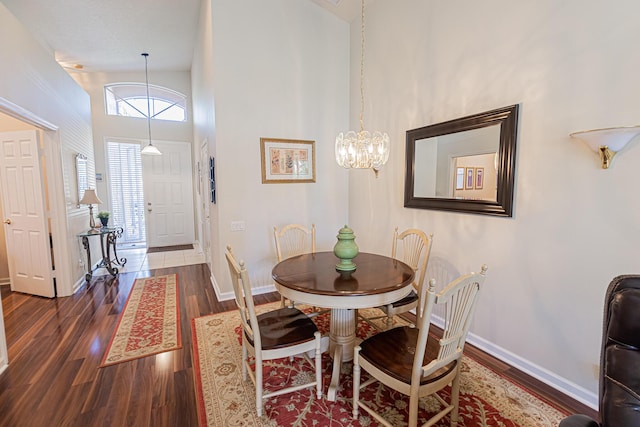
(346, 249)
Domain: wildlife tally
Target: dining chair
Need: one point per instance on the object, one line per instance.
(292, 240)
(414, 362)
(412, 247)
(281, 333)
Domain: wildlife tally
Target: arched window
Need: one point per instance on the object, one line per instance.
(130, 100)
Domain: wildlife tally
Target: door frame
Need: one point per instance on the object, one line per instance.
(57, 212)
(204, 223)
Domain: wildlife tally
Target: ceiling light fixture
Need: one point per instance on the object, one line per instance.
(362, 150)
(149, 149)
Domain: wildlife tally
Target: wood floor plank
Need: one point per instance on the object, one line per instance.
(56, 345)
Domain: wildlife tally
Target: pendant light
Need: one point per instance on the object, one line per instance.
(363, 149)
(149, 149)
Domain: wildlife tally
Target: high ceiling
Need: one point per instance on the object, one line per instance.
(110, 35)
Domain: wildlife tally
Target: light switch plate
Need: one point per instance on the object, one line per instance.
(237, 226)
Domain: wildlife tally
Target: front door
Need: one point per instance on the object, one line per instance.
(23, 208)
(168, 188)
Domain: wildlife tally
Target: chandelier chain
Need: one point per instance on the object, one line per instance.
(362, 70)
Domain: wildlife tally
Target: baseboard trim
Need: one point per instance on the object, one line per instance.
(564, 386)
(229, 295)
(559, 383)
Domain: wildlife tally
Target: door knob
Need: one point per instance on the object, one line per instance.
(7, 221)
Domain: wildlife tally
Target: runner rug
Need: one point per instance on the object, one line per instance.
(224, 399)
(150, 321)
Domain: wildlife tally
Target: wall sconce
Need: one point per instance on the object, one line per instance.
(608, 141)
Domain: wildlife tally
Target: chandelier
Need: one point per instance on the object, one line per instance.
(149, 148)
(363, 149)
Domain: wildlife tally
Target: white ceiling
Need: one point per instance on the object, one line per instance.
(110, 35)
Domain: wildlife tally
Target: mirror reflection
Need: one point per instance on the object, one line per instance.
(461, 165)
(464, 165)
(82, 177)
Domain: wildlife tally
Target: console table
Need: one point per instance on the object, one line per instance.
(108, 237)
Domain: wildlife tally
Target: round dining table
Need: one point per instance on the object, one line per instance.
(313, 279)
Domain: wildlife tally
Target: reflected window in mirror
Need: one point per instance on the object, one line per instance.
(82, 176)
(464, 165)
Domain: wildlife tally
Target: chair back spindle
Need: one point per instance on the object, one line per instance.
(459, 300)
(293, 240)
(243, 296)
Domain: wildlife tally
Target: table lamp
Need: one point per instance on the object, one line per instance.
(90, 198)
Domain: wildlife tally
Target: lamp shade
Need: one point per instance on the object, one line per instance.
(151, 149)
(614, 138)
(608, 141)
(90, 197)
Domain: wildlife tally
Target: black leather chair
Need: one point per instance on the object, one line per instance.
(619, 394)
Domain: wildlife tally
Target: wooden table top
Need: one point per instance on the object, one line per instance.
(316, 274)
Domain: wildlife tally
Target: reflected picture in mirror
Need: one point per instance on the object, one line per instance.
(463, 165)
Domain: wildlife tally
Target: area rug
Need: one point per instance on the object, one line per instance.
(224, 399)
(149, 323)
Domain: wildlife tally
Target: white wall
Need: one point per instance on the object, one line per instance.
(570, 67)
(204, 120)
(279, 69)
(35, 84)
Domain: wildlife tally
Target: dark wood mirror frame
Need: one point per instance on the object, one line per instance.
(507, 118)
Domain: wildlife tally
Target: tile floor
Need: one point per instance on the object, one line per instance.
(138, 259)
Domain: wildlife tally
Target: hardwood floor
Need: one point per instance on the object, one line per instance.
(56, 345)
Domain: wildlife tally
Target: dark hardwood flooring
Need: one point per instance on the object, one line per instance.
(56, 345)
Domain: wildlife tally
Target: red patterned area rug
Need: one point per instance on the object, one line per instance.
(224, 399)
(150, 321)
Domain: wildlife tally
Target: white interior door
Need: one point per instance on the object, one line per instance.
(24, 213)
(168, 188)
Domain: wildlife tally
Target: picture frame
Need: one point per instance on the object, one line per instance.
(460, 178)
(470, 178)
(479, 182)
(287, 161)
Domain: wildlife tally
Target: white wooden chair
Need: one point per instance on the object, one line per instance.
(285, 332)
(415, 363)
(415, 248)
(292, 240)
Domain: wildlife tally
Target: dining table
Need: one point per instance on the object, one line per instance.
(313, 279)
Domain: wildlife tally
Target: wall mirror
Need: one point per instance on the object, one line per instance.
(464, 165)
(82, 177)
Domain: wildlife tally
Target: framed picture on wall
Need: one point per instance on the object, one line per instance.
(468, 183)
(479, 178)
(459, 178)
(287, 161)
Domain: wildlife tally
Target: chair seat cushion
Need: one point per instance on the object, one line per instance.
(393, 351)
(284, 327)
(409, 299)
